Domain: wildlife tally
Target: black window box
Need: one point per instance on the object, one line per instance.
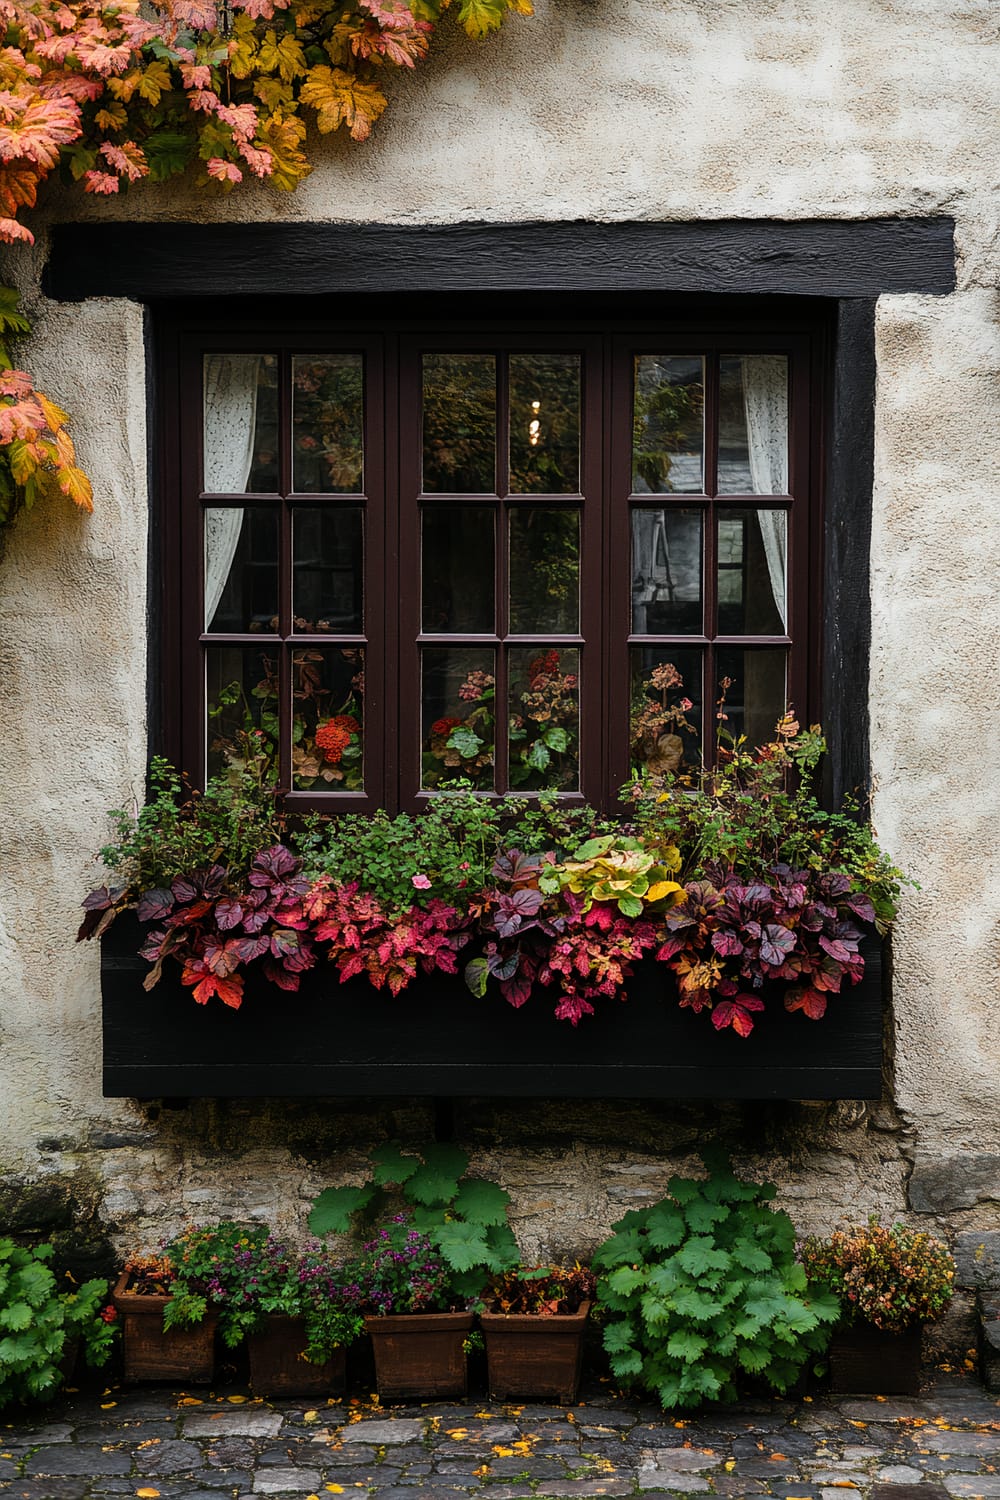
(437, 1039)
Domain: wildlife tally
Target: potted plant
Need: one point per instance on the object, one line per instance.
(533, 1322)
(423, 1266)
(173, 1303)
(298, 1313)
(889, 1281)
(702, 1292)
(41, 1327)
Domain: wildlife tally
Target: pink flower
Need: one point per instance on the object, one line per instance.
(685, 704)
(421, 882)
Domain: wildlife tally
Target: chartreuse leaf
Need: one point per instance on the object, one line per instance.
(334, 1208)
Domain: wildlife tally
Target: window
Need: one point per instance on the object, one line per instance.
(518, 557)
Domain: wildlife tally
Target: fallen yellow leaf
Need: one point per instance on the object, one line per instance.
(730, 1465)
(150, 1442)
(334, 1489)
(236, 1400)
(843, 1484)
(311, 1416)
(148, 1494)
(190, 1401)
(778, 1458)
(502, 1452)
(457, 1433)
(107, 1405)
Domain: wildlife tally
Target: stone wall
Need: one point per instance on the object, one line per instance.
(635, 109)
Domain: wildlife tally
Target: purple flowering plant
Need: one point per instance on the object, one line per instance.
(400, 1271)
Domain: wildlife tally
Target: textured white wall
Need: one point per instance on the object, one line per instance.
(598, 109)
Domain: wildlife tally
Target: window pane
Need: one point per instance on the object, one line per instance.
(459, 424)
(328, 568)
(241, 569)
(328, 424)
(666, 572)
(458, 709)
(666, 718)
(544, 722)
(755, 699)
(242, 709)
(327, 719)
(457, 548)
(753, 425)
(544, 424)
(240, 415)
(544, 570)
(668, 425)
(752, 553)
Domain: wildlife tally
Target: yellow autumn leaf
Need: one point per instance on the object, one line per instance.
(311, 1416)
(729, 1465)
(148, 1494)
(457, 1433)
(334, 1489)
(190, 1401)
(502, 1452)
(236, 1400)
(661, 888)
(341, 98)
(107, 1405)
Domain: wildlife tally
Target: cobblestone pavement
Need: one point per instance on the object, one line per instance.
(149, 1442)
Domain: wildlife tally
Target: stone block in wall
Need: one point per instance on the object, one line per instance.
(977, 1258)
(952, 1337)
(942, 1184)
(988, 1307)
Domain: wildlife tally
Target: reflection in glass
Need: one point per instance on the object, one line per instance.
(327, 569)
(457, 716)
(544, 718)
(666, 572)
(751, 572)
(544, 424)
(241, 686)
(328, 424)
(756, 699)
(459, 424)
(668, 425)
(328, 688)
(753, 425)
(665, 720)
(240, 414)
(241, 569)
(544, 570)
(457, 547)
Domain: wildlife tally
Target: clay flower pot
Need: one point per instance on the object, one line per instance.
(152, 1353)
(867, 1359)
(534, 1358)
(278, 1366)
(420, 1354)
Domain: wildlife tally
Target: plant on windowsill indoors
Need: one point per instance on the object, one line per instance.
(735, 878)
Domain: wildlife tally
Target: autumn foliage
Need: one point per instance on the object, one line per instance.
(112, 93)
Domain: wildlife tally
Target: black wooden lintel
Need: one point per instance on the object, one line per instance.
(809, 257)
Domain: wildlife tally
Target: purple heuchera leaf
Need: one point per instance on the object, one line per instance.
(100, 899)
(515, 868)
(727, 944)
(155, 905)
(861, 906)
(775, 944)
(274, 866)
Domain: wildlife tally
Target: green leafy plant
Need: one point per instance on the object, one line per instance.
(39, 1323)
(616, 869)
(206, 1271)
(703, 1290)
(401, 1271)
(890, 1276)
(465, 1219)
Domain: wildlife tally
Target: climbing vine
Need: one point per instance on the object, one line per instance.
(108, 92)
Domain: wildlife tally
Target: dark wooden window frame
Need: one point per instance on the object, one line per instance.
(392, 635)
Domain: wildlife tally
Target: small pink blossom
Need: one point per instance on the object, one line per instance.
(421, 882)
(685, 704)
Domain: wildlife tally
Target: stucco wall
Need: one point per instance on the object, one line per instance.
(597, 109)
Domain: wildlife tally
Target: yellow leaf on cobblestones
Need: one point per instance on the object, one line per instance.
(107, 1405)
(842, 1484)
(457, 1433)
(236, 1400)
(502, 1452)
(311, 1416)
(730, 1465)
(190, 1401)
(150, 1442)
(334, 1489)
(148, 1494)
(482, 1472)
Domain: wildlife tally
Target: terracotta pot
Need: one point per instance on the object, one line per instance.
(151, 1353)
(866, 1359)
(420, 1354)
(534, 1358)
(278, 1366)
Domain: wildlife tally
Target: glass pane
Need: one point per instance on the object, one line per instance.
(458, 708)
(666, 572)
(327, 719)
(459, 424)
(241, 685)
(544, 424)
(755, 698)
(753, 425)
(544, 723)
(668, 425)
(457, 566)
(328, 568)
(544, 570)
(752, 553)
(240, 415)
(328, 425)
(666, 717)
(241, 569)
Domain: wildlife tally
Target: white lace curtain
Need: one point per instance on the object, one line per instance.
(765, 402)
(230, 429)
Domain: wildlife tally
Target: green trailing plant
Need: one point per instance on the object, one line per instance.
(39, 1323)
(207, 1273)
(703, 1291)
(464, 1218)
(891, 1276)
